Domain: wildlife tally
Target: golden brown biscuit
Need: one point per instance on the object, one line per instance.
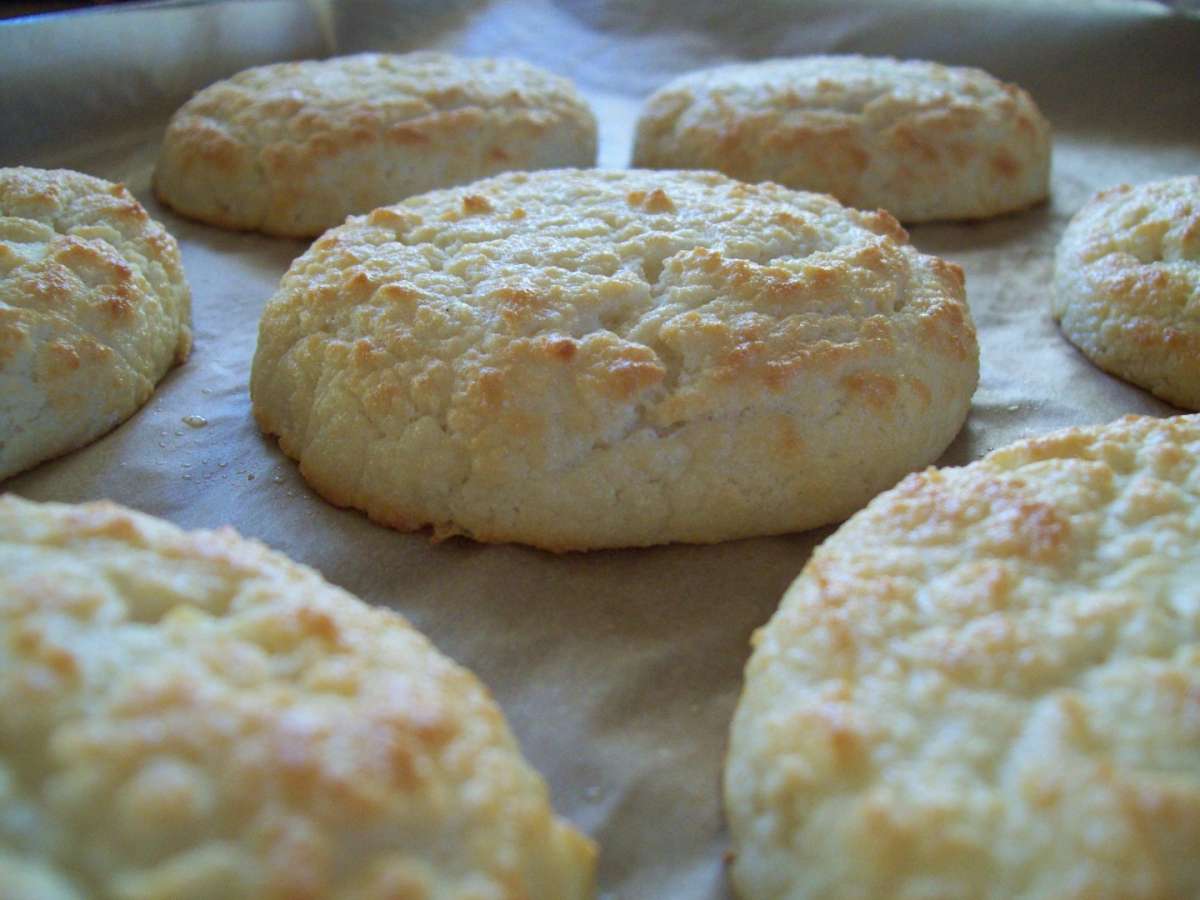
(987, 684)
(293, 148)
(920, 140)
(1127, 285)
(193, 715)
(94, 310)
(582, 359)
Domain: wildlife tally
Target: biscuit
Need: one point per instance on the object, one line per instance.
(193, 715)
(292, 149)
(1127, 286)
(987, 684)
(94, 310)
(585, 359)
(921, 140)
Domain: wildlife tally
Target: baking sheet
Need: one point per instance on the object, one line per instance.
(617, 670)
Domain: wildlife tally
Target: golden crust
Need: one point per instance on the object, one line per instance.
(293, 148)
(582, 359)
(987, 684)
(921, 140)
(1127, 285)
(192, 715)
(94, 310)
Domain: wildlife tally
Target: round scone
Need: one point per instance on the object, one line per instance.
(193, 715)
(584, 359)
(1127, 286)
(987, 685)
(293, 148)
(94, 310)
(921, 140)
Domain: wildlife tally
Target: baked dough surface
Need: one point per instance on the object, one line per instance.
(293, 148)
(583, 359)
(987, 685)
(921, 140)
(94, 309)
(193, 715)
(1127, 285)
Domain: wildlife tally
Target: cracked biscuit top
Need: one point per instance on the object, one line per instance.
(190, 715)
(582, 359)
(921, 140)
(94, 309)
(987, 685)
(293, 148)
(1127, 285)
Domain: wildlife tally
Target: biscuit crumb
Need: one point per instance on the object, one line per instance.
(473, 203)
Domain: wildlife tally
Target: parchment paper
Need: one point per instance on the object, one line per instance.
(617, 670)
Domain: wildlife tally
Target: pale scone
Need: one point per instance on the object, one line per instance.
(584, 359)
(293, 148)
(190, 715)
(987, 685)
(1127, 286)
(918, 139)
(94, 310)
